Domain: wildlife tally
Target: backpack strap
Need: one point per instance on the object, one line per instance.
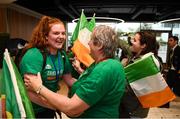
(44, 54)
(19, 55)
(63, 55)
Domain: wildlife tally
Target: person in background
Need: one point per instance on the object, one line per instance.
(97, 92)
(158, 57)
(173, 75)
(16, 44)
(173, 63)
(141, 44)
(126, 54)
(71, 57)
(48, 36)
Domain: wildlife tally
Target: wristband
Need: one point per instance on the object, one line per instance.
(39, 89)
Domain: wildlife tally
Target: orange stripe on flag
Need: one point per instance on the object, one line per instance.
(157, 98)
(82, 53)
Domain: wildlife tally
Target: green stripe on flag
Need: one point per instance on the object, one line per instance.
(25, 98)
(141, 69)
(80, 25)
(8, 90)
(90, 26)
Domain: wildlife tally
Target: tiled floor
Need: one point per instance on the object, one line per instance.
(161, 113)
(155, 113)
(166, 113)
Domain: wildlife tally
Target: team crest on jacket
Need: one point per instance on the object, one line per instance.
(48, 66)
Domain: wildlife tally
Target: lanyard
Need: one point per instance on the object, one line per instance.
(59, 65)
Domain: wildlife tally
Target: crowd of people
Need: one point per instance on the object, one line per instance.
(100, 90)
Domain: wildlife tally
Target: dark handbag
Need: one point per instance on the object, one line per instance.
(130, 105)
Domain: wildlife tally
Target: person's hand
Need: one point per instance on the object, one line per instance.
(77, 66)
(124, 61)
(33, 82)
(76, 63)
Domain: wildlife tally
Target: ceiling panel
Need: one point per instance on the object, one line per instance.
(128, 10)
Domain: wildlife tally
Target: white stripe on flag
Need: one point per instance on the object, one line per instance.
(156, 62)
(16, 89)
(84, 37)
(148, 85)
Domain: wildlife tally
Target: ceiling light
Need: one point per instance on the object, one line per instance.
(169, 20)
(104, 19)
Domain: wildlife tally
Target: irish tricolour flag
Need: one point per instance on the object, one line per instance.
(147, 82)
(81, 37)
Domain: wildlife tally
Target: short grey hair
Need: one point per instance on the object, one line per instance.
(107, 37)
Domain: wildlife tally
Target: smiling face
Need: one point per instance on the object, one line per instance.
(136, 46)
(56, 37)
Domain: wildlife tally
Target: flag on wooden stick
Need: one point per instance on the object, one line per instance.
(147, 82)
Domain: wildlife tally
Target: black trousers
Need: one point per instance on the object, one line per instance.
(48, 113)
(173, 81)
